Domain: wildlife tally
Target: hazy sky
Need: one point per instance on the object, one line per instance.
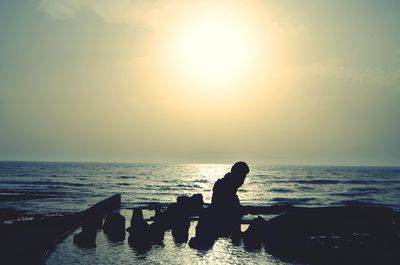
(274, 82)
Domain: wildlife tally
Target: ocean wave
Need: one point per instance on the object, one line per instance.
(318, 181)
(125, 177)
(337, 181)
(356, 181)
(312, 181)
(26, 175)
(123, 184)
(45, 183)
(342, 194)
(58, 176)
(293, 201)
(359, 192)
(305, 188)
(281, 190)
(202, 180)
(366, 190)
(369, 202)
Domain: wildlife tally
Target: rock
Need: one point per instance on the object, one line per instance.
(273, 209)
(156, 233)
(333, 220)
(333, 235)
(86, 239)
(191, 205)
(142, 234)
(114, 226)
(138, 231)
(201, 243)
(137, 220)
(92, 222)
(180, 229)
(206, 231)
(159, 216)
(253, 236)
(177, 219)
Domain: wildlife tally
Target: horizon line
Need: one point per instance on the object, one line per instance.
(200, 163)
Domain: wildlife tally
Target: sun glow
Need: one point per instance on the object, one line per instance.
(213, 50)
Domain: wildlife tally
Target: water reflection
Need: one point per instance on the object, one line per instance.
(109, 252)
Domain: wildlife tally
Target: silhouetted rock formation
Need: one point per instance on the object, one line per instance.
(254, 235)
(177, 216)
(139, 234)
(334, 235)
(273, 209)
(191, 205)
(206, 233)
(114, 226)
(29, 242)
(87, 238)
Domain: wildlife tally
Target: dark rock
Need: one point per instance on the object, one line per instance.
(201, 243)
(334, 235)
(85, 239)
(273, 209)
(30, 242)
(253, 236)
(114, 226)
(93, 222)
(191, 205)
(206, 231)
(177, 219)
(180, 229)
(138, 231)
(333, 220)
(156, 233)
(10, 214)
(158, 216)
(396, 217)
(137, 220)
(142, 234)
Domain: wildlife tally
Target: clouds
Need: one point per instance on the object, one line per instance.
(127, 12)
(335, 69)
(86, 79)
(59, 9)
(156, 13)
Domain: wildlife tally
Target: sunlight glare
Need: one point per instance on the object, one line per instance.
(213, 49)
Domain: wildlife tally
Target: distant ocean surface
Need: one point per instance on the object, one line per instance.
(55, 187)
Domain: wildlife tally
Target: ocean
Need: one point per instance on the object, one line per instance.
(58, 187)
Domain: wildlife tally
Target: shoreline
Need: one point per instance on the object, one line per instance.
(32, 237)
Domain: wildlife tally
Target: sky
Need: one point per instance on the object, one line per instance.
(267, 82)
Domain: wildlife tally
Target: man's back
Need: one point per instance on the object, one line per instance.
(224, 194)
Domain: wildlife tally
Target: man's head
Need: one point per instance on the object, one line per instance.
(239, 171)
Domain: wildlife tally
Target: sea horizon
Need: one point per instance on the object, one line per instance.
(206, 163)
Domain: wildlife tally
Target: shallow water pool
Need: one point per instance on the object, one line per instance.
(108, 252)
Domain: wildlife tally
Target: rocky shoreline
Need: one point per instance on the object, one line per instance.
(29, 239)
(324, 235)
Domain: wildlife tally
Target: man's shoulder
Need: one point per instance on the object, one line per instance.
(222, 181)
(218, 183)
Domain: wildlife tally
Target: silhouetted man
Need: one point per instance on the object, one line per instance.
(223, 217)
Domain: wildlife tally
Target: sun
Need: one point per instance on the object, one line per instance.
(213, 49)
